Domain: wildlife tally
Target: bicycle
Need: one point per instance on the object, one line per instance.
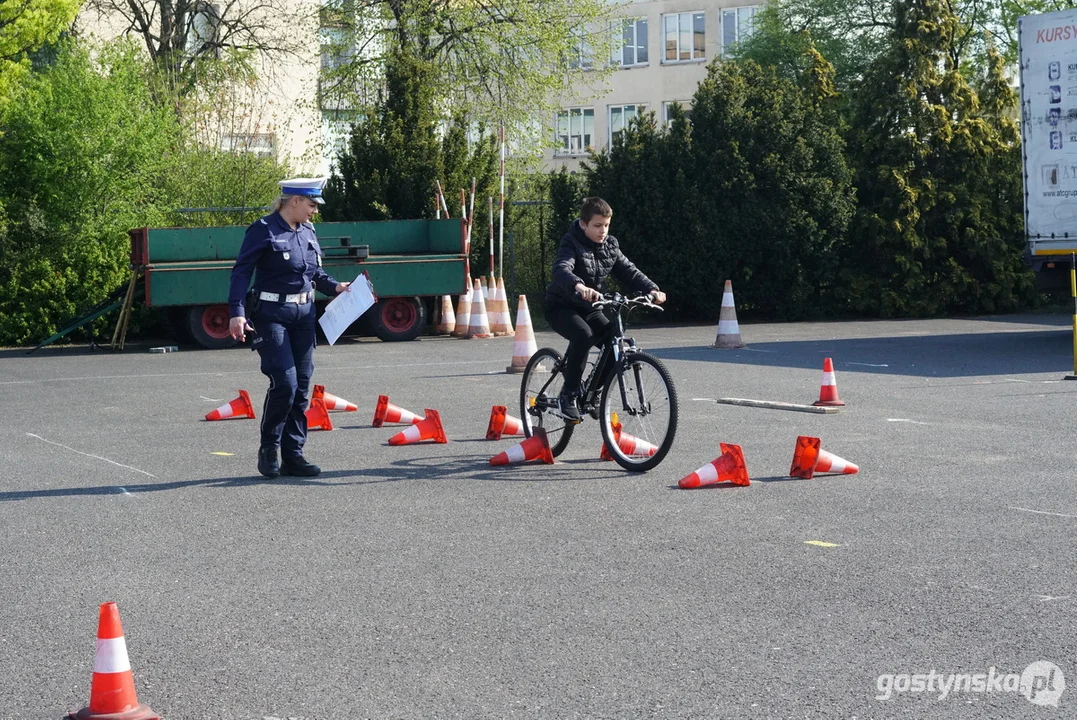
(629, 391)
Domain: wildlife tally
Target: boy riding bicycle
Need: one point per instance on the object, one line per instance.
(587, 256)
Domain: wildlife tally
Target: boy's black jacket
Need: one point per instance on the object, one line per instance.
(580, 260)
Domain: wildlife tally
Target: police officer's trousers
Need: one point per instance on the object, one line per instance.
(285, 344)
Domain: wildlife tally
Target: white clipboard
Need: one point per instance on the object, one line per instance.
(346, 308)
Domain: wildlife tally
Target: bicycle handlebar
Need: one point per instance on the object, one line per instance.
(620, 301)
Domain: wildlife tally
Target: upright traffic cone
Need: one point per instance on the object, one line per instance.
(810, 458)
(239, 408)
(318, 415)
(728, 328)
(828, 389)
(332, 402)
(429, 428)
(480, 323)
(490, 289)
(448, 318)
(501, 321)
(386, 412)
(523, 344)
(501, 423)
(729, 467)
(536, 447)
(112, 690)
(463, 311)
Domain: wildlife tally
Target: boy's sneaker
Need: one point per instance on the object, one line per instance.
(567, 403)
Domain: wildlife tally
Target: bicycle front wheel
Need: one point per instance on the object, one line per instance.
(639, 413)
(539, 390)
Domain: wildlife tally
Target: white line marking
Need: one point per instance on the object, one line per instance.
(95, 457)
(124, 491)
(1041, 512)
(703, 400)
(914, 422)
(211, 399)
(757, 350)
(1049, 598)
(866, 364)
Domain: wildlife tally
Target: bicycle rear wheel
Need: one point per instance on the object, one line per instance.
(646, 412)
(539, 389)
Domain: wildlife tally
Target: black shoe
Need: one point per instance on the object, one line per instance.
(267, 462)
(567, 403)
(299, 467)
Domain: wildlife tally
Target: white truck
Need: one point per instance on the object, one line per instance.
(1048, 74)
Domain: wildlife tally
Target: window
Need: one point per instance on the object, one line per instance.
(337, 52)
(737, 25)
(620, 116)
(629, 46)
(685, 36)
(667, 105)
(205, 19)
(258, 144)
(582, 56)
(575, 131)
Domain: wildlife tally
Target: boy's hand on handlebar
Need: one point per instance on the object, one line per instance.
(588, 294)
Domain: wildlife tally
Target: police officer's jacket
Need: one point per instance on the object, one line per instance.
(281, 260)
(580, 260)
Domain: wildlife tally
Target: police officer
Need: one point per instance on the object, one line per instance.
(281, 251)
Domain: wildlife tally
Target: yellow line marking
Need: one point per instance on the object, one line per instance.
(223, 453)
(820, 543)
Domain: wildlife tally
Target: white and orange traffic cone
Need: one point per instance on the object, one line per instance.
(332, 402)
(810, 458)
(429, 428)
(728, 327)
(463, 311)
(480, 323)
(729, 467)
(448, 318)
(386, 412)
(523, 344)
(828, 389)
(630, 445)
(536, 447)
(490, 290)
(112, 690)
(500, 320)
(318, 415)
(501, 423)
(241, 407)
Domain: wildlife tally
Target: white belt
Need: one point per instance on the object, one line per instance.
(299, 299)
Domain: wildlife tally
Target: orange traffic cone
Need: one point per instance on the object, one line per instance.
(828, 389)
(500, 320)
(536, 447)
(318, 415)
(112, 690)
(448, 318)
(501, 423)
(239, 408)
(332, 402)
(463, 311)
(523, 344)
(728, 328)
(729, 467)
(429, 428)
(480, 323)
(810, 458)
(386, 412)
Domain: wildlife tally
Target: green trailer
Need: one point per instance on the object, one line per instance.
(410, 262)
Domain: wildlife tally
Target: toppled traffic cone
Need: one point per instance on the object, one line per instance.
(429, 428)
(463, 311)
(536, 447)
(828, 389)
(523, 344)
(332, 402)
(728, 328)
(729, 467)
(239, 408)
(448, 318)
(386, 412)
(480, 323)
(810, 458)
(630, 445)
(501, 423)
(112, 690)
(318, 415)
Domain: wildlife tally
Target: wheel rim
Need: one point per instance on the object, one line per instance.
(398, 315)
(215, 321)
(649, 425)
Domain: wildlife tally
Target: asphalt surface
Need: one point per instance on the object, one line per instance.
(420, 582)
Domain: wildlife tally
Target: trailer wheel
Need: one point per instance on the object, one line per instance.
(399, 318)
(208, 325)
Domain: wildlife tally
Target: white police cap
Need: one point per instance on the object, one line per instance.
(307, 187)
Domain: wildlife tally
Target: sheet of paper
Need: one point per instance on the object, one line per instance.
(346, 308)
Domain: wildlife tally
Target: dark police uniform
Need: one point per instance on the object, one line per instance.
(287, 267)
